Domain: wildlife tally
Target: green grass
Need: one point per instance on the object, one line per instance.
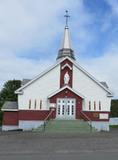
(113, 126)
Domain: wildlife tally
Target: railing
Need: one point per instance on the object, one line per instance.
(47, 118)
(87, 119)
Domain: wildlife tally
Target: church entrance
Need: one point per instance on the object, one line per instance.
(66, 108)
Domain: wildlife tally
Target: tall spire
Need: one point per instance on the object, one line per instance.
(66, 45)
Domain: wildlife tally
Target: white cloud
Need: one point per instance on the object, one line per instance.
(25, 25)
(114, 6)
(105, 67)
(23, 22)
(18, 68)
(29, 24)
(107, 21)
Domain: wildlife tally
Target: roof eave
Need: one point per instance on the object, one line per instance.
(110, 95)
(18, 91)
(92, 77)
(61, 89)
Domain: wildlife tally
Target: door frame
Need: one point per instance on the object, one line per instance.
(66, 117)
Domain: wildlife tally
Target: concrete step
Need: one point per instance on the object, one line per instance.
(67, 126)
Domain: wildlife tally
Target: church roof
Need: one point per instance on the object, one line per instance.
(19, 91)
(10, 105)
(104, 84)
(24, 81)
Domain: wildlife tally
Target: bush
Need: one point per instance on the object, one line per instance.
(114, 108)
(1, 117)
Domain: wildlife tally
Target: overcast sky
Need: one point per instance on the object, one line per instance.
(31, 32)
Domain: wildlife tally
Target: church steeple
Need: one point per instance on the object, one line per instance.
(66, 44)
(66, 39)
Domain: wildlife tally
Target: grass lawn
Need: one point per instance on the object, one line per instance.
(113, 126)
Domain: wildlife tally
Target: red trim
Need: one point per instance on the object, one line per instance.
(63, 71)
(10, 118)
(94, 116)
(53, 116)
(33, 114)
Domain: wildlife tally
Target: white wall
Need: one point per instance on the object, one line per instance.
(9, 127)
(100, 126)
(91, 90)
(39, 90)
(113, 121)
(50, 82)
(29, 125)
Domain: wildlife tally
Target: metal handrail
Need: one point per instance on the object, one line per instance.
(45, 120)
(87, 119)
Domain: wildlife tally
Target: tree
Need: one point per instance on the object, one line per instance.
(114, 108)
(7, 93)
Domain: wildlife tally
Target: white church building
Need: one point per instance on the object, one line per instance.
(65, 91)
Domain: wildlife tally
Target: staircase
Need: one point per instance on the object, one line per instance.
(67, 126)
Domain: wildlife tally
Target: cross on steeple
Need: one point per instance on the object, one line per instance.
(66, 50)
(67, 17)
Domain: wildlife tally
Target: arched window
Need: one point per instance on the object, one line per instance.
(100, 105)
(30, 104)
(40, 104)
(89, 105)
(35, 104)
(94, 105)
